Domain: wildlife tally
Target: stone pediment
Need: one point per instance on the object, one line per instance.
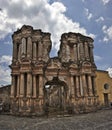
(86, 64)
(73, 66)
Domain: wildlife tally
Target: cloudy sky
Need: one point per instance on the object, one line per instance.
(89, 17)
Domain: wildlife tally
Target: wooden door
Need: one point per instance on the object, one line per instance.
(106, 100)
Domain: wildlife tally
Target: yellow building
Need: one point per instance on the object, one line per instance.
(104, 87)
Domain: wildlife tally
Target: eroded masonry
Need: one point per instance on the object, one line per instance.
(65, 83)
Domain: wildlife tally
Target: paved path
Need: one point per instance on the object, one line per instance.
(101, 120)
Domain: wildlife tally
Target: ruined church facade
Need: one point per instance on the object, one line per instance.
(63, 83)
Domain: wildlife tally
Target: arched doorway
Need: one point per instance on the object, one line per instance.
(55, 92)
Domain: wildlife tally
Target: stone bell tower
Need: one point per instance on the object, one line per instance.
(30, 51)
(76, 53)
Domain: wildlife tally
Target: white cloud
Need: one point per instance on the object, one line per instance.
(5, 59)
(100, 19)
(97, 58)
(105, 39)
(104, 28)
(88, 14)
(5, 78)
(108, 33)
(4, 25)
(110, 72)
(41, 15)
(7, 42)
(102, 66)
(105, 1)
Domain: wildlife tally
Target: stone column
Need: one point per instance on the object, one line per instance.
(67, 53)
(77, 87)
(81, 51)
(72, 86)
(86, 50)
(84, 85)
(40, 50)
(90, 86)
(81, 87)
(13, 86)
(75, 52)
(81, 47)
(15, 51)
(29, 48)
(23, 50)
(63, 53)
(29, 85)
(34, 51)
(34, 87)
(19, 52)
(21, 85)
(78, 51)
(40, 86)
(18, 85)
(46, 48)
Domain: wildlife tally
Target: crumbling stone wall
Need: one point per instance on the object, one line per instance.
(5, 98)
(67, 80)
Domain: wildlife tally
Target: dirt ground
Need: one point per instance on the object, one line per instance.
(100, 120)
